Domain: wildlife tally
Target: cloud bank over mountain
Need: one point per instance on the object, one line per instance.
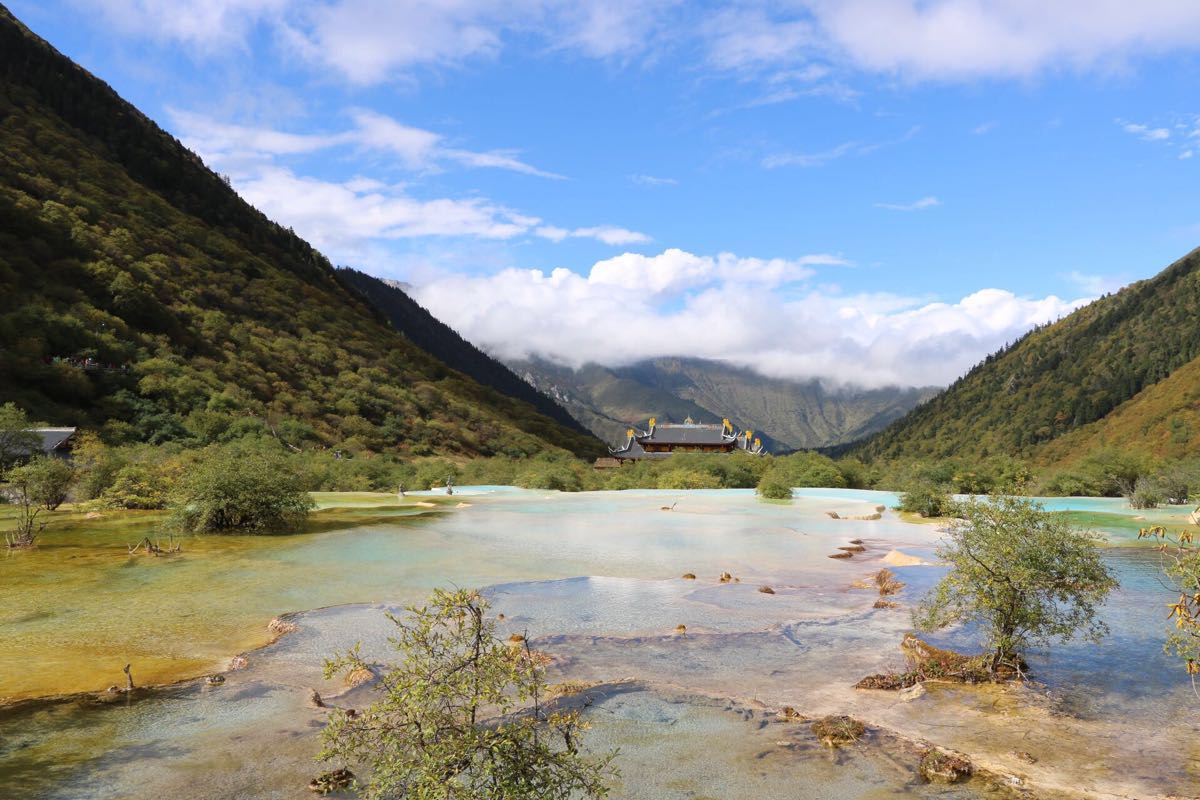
(767, 314)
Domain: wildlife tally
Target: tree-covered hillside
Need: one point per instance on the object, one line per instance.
(1162, 420)
(445, 344)
(139, 294)
(1061, 377)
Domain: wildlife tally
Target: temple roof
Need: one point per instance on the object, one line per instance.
(54, 438)
(633, 449)
(687, 435)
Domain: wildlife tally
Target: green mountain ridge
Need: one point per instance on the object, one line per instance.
(141, 295)
(1063, 378)
(789, 415)
(447, 345)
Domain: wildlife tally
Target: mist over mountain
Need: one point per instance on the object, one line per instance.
(788, 414)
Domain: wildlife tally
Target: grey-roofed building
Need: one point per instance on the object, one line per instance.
(662, 441)
(56, 441)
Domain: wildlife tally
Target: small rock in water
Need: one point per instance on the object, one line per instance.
(766, 590)
(888, 681)
(832, 515)
(280, 626)
(238, 662)
(911, 693)
(215, 680)
(333, 781)
(516, 638)
(314, 699)
(359, 676)
(1022, 755)
(787, 712)
(500, 617)
(726, 577)
(852, 548)
(689, 576)
(886, 604)
(835, 730)
(942, 767)
(841, 554)
(681, 628)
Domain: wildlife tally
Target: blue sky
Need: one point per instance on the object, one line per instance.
(866, 191)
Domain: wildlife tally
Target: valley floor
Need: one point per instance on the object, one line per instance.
(593, 579)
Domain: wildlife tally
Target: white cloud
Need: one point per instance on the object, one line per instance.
(369, 41)
(222, 143)
(809, 159)
(742, 38)
(651, 180)
(965, 39)
(1145, 132)
(821, 158)
(605, 28)
(339, 217)
(601, 233)
(207, 26)
(350, 220)
(1096, 285)
(916, 205)
(984, 127)
(676, 303)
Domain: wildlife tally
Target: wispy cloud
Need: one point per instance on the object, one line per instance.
(817, 159)
(1096, 285)
(984, 127)
(652, 180)
(1144, 132)
(608, 234)
(368, 42)
(916, 40)
(414, 148)
(347, 218)
(917, 205)
(820, 158)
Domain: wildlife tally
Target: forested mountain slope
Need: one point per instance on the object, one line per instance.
(140, 294)
(445, 344)
(1162, 420)
(1061, 377)
(603, 401)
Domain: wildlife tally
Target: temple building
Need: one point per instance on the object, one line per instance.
(661, 441)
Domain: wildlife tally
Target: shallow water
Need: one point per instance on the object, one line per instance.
(595, 580)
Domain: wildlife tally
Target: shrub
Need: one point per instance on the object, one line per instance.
(688, 479)
(555, 477)
(246, 486)
(927, 500)
(1144, 494)
(774, 487)
(46, 480)
(137, 486)
(498, 734)
(1022, 574)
